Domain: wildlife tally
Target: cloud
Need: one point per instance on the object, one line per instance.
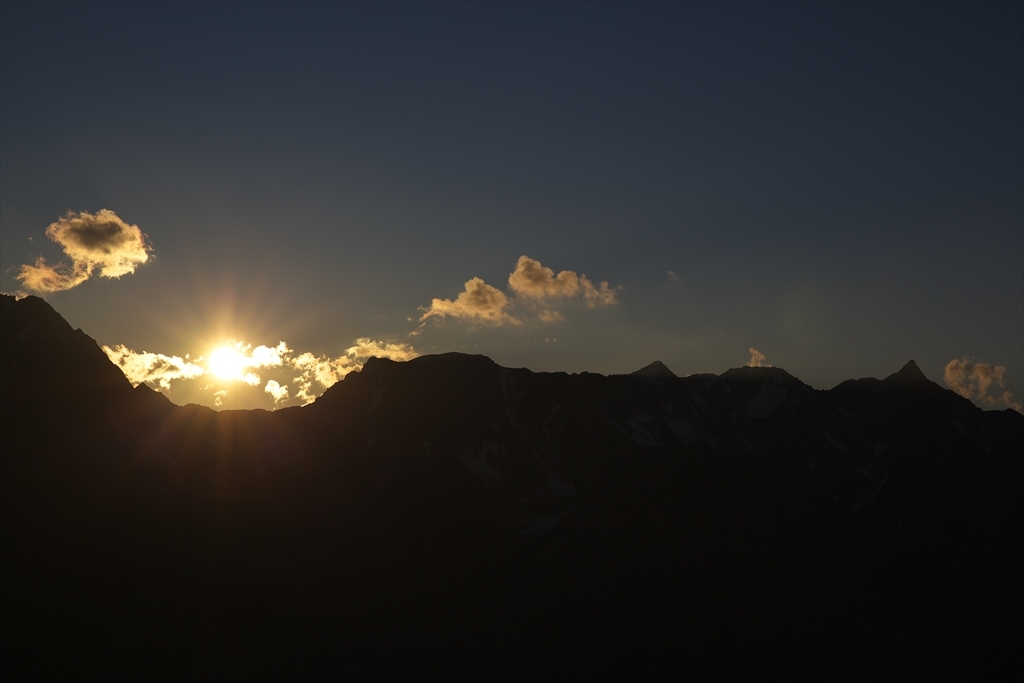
(235, 361)
(269, 356)
(480, 302)
(532, 283)
(277, 392)
(547, 316)
(672, 276)
(757, 359)
(320, 369)
(99, 243)
(983, 383)
(327, 372)
(532, 280)
(597, 296)
(367, 348)
(151, 368)
(250, 378)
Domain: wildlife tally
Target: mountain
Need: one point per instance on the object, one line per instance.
(654, 370)
(447, 517)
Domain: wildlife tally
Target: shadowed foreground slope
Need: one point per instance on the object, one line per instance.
(447, 517)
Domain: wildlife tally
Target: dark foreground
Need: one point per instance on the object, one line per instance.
(450, 518)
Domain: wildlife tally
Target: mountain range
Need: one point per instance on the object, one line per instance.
(447, 517)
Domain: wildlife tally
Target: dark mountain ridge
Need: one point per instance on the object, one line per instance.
(447, 517)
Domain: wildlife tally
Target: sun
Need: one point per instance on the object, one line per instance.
(226, 363)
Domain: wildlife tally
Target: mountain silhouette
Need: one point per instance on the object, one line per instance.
(654, 370)
(447, 517)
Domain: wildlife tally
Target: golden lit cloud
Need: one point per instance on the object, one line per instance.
(323, 370)
(479, 302)
(151, 368)
(368, 348)
(597, 296)
(547, 316)
(757, 359)
(533, 280)
(983, 383)
(237, 361)
(99, 243)
(327, 372)
(532, 283)
(277, 392)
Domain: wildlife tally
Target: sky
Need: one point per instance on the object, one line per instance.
(228, 194)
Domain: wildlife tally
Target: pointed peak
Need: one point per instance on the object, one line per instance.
(909, 373)
(655, 369)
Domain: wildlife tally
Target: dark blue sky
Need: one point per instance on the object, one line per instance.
(838, 185)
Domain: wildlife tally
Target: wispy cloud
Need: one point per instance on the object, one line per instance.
(983, 383)
(152, 368)
(757, 359)
(95, 244)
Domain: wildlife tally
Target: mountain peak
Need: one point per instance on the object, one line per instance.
(654, 370)
(909, 373)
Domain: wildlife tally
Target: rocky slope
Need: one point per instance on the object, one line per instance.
(451, 518)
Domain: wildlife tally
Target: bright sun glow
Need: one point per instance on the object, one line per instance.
(226, 363)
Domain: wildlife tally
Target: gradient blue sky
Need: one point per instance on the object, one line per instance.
(838, 185)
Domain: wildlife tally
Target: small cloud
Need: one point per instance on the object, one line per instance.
(277, 392)
(532, 284)
(532, 280)
(480, 302)
(18, 294)
(250, 378)
(757, 359)
(367, 348)
(99, 243)
(269, 356)
(983, 383)
(155, 369)
(547, 316)
(218, 397)
(672, 276)
(597, 296)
